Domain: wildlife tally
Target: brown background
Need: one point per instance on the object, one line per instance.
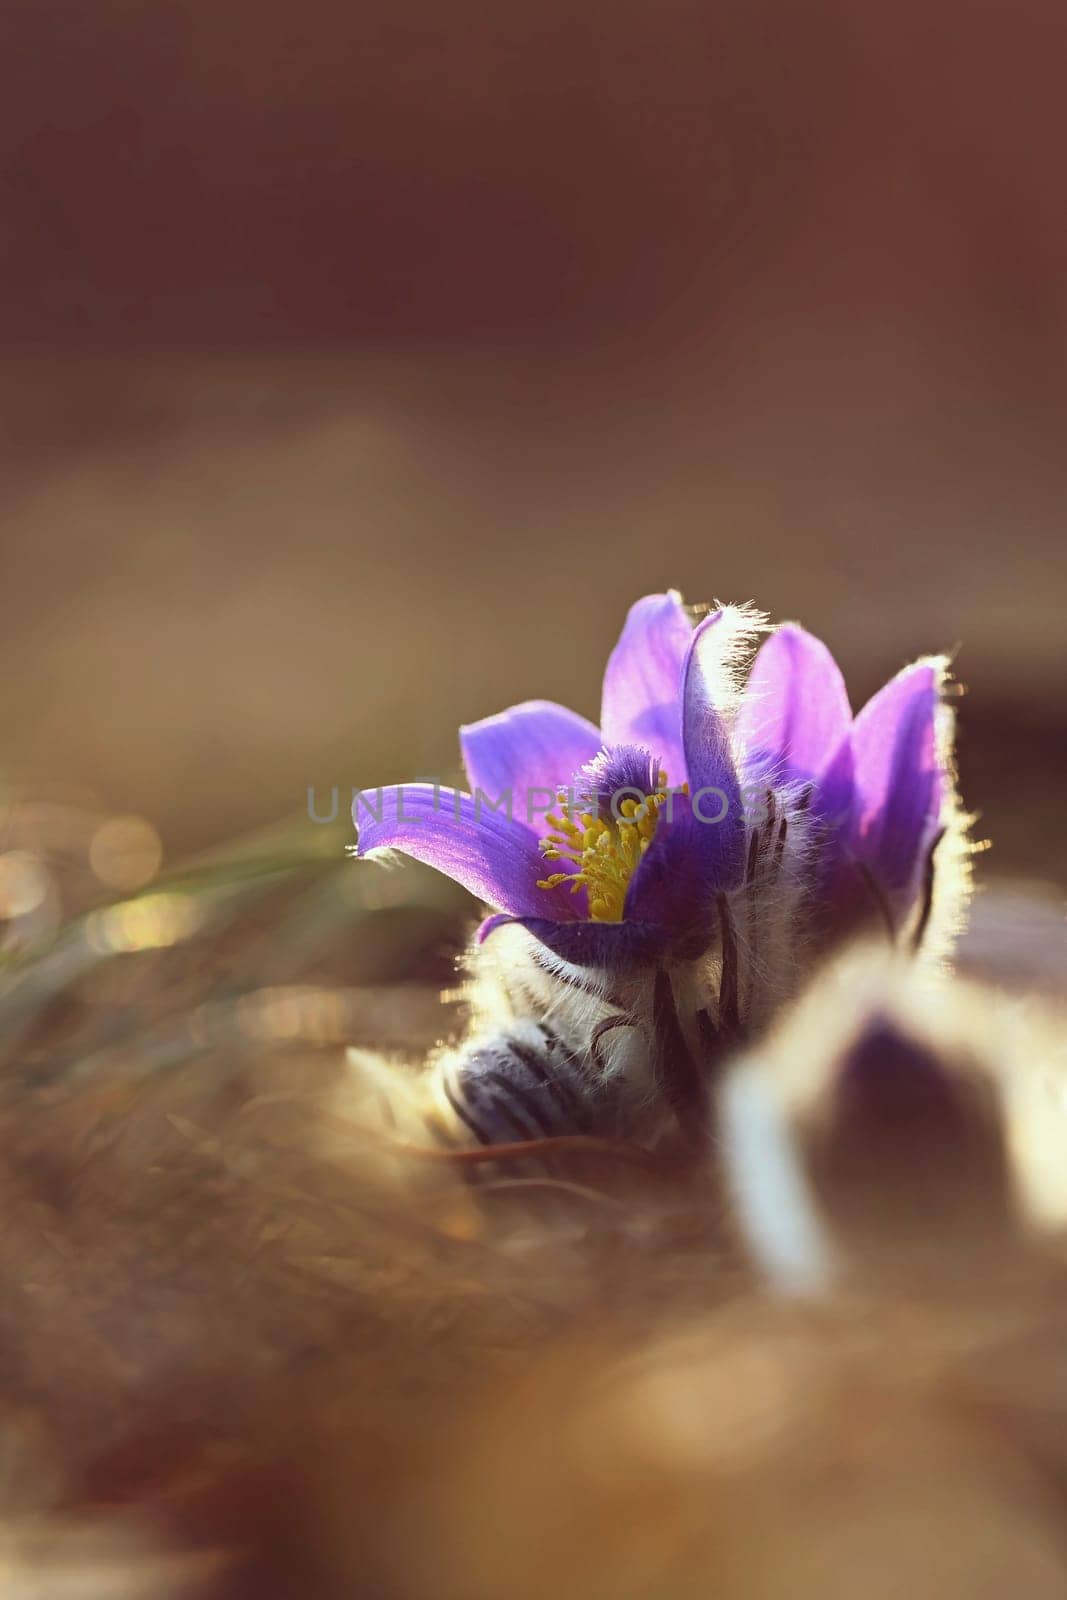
(365, 361)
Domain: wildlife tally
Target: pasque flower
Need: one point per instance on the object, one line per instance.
(622, 844)
(610, 844)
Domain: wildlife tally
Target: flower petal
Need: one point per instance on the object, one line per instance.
(714, 791)
(678, 878)
(900, 781)
(795, 716)
(493, 856)
(529, 751)
(641, 702)
(616, 946)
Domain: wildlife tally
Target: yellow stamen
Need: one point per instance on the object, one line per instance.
(552, 883)
(606, 851)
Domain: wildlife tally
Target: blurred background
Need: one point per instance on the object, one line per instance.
(365, 362)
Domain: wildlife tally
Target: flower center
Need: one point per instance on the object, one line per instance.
(602, 841)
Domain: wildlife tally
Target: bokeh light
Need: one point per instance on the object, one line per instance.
(150, 923)
(125, 852)
(24, 884)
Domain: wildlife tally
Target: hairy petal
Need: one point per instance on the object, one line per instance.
(529, 751)
(616, 946)
(676, 882)
(717, 831)
(900, 780)
(642, 682)
(493, 856)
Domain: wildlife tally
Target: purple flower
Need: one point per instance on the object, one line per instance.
(878, 786)
(612, 845)
(766, 825)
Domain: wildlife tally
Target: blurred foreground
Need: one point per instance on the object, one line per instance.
(256, 1346)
